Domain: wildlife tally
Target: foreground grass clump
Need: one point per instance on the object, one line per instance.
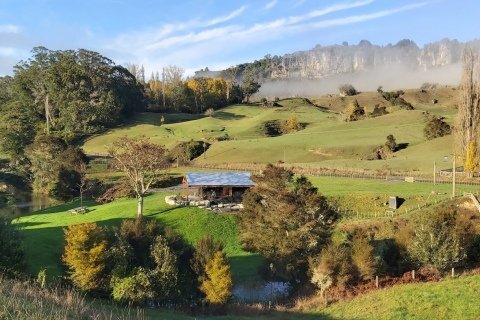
(22, 300)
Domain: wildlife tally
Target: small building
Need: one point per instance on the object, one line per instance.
(216, 186)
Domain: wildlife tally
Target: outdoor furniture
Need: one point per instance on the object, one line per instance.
(78, 210)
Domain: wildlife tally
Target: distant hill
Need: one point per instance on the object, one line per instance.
(403, 64)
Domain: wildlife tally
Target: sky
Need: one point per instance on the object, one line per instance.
(195, 34)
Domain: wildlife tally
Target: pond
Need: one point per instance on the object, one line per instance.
(261, 292)
(27, 202)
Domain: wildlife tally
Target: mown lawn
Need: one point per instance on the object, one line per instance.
(44, 235)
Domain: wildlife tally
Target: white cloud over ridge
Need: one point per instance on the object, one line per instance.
(222, 36)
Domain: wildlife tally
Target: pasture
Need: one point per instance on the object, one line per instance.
(237, 133)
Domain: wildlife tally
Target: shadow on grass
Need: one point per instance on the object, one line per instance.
(401, 146)
(64, 207)
(223, 115)
(44, 248)
(21, 225)
(156, 213)
(400, 201)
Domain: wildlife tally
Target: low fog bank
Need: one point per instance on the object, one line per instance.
(390, 79)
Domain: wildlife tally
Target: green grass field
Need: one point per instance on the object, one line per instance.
(326, 140)
(44, 235)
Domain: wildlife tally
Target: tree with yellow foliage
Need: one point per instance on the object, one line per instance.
(472, 159)
(218, 283)
(85, 254)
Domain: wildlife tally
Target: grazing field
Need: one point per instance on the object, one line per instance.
(237, 133)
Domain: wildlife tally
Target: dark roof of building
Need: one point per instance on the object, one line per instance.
(217, 179)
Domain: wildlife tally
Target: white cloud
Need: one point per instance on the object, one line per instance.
(327, 10)
(365, 17)
(271, 4)
(9, 28)
(227, 17)
(192, 43)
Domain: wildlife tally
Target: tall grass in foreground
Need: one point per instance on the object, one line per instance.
(23, 300)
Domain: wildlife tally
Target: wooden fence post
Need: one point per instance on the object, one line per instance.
(413, 274)
(376, 281)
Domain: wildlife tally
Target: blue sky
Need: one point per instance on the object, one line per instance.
(195, 34)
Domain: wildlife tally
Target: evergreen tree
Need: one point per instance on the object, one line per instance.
(218, 283)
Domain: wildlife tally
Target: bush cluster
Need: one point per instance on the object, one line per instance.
(347, 90)
(436, 127)
(144, 263)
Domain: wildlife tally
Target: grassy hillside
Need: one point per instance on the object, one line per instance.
(447, 299)
(326, 140)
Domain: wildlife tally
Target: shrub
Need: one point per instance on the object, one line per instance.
(362, 257)
(291, 124)
(378, 111)
(436, 242)
(391, 143)
(473, 250)
(218, 284)
(86, 255)
(210, 112)
(204, 252)
(436, 127)
(193, 149)
(355, 111)
(347, 90)
(12, 255)
(335, 265)
(67, 185)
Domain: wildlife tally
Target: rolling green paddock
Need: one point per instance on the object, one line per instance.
(326, 140)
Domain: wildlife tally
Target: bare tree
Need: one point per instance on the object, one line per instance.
(230, 76)
(142, 161)
(173, 78)
(136, 70)
(83, 185)
(468, 120)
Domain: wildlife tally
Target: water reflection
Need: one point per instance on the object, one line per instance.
(261, 292)
(28, 202)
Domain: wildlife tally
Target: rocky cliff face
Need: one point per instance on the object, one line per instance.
(346, 59)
